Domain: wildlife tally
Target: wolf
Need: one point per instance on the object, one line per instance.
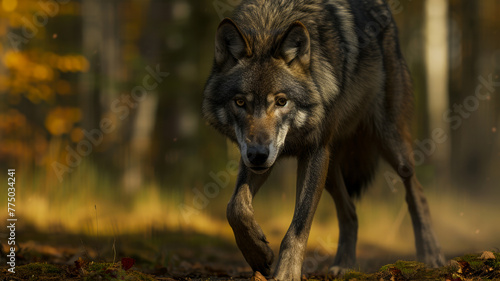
(323, 81)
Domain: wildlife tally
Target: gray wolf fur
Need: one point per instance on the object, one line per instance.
(323, 81)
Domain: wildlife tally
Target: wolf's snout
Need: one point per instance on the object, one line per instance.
(258, 154)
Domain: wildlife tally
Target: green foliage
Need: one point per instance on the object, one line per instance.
(98, 266)
(353, 275)
(409, 269)
(39, 268)
(37, 271)
(110, 271)
(475, 265)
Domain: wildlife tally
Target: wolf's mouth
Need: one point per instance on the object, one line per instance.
(259, 170)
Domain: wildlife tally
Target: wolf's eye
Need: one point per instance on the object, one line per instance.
(281, 101)
(240, 102)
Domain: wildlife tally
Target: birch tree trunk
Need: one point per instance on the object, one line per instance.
(436, 56)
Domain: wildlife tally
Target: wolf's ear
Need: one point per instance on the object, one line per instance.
(296, 45)
(230, 44)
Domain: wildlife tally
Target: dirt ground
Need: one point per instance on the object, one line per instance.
(161, 255)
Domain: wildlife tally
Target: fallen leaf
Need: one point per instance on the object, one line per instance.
(79, 263)
(454, 265)
(464, 267)
(111, 273)
(396, 273)
(127, 263)
(487, 255)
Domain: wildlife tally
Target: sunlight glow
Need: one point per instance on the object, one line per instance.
(9, 5)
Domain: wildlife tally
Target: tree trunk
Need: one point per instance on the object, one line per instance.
(470, 128)
(436, 56)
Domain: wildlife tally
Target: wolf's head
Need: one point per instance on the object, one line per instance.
(260, 91)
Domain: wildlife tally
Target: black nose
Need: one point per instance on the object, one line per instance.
(257, 155)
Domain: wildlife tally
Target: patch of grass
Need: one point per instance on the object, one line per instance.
(473, 266)
(37, 271)
(405, 266)
(40, 268)
(353, 275)
(411, 270)
(85, 271)
(111, 271)
(97, 266)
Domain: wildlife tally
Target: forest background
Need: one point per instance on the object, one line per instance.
(100, 117)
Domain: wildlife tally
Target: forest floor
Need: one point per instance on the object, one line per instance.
(162, 255)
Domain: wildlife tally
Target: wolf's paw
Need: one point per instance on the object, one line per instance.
(434, 261)
(257, 276)
(260, 257)
(337, 270)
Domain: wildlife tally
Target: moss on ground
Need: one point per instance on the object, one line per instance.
(470, 267)
(84, 271)
(34, 271)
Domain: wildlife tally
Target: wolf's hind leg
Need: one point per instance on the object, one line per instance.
(396, 151)
(348, 221)
(240, 214)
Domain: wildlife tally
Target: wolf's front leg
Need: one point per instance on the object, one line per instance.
(311, 176)
(249, 236)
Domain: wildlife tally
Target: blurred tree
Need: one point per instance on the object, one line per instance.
(89, 82)
(471, 118)
(436, 58)
(149, 40)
